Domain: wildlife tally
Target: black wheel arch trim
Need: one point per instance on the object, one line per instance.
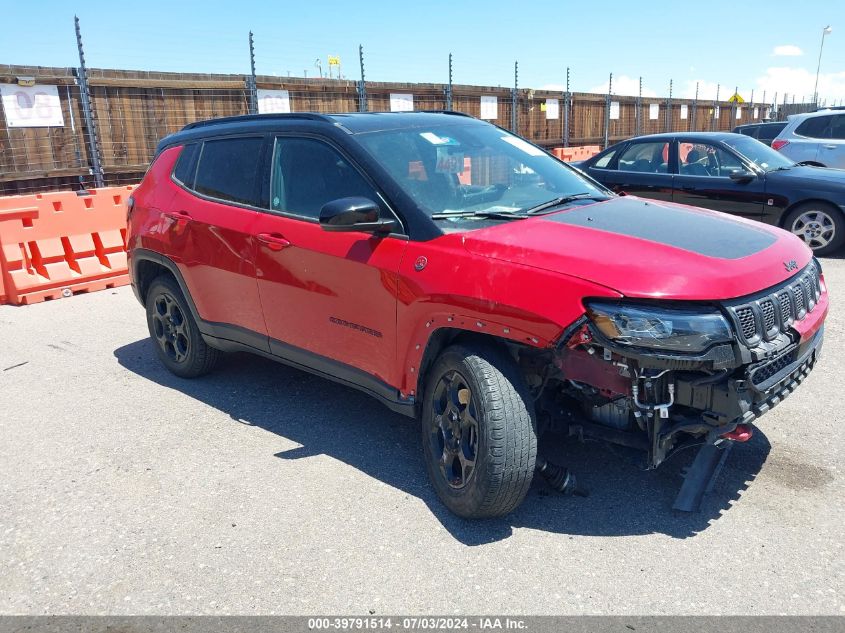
(232, 338)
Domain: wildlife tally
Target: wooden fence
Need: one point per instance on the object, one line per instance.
(133, 109)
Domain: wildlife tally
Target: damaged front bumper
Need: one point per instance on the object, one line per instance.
(663, 402)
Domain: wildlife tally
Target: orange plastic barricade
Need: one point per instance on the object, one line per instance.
(57, 244)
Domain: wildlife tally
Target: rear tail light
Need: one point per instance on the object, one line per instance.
(778, 143)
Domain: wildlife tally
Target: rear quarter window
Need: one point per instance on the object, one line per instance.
(815, 127)
(186, 165)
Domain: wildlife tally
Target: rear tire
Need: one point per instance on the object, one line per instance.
(478, 432)
(819, 224)
(175, 334)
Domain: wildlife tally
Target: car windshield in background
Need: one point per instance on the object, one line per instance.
(759, 153)
(464, 173)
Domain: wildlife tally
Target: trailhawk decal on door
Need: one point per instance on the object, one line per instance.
(355, 326)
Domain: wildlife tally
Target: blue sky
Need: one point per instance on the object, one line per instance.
(770, 45)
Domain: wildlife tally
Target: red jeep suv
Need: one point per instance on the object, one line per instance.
(466, 278)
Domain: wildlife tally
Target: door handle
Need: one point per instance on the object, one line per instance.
(688, 188)
(178, 216)
(273, 241)
(829, 146)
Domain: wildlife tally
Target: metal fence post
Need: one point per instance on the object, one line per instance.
(694, 109)
(514, 117)
(607, 110)
(638, 110)
(715, 110)
(362, 85)
(669, 109)
(734, 106)
(449, 87)
(88, 112)
(251, 84)
(567, 98)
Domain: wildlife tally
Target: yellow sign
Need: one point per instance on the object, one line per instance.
(736, 98)
(334, 60)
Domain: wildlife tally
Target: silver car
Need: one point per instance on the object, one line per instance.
(814, 138)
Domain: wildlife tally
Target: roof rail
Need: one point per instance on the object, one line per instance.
(307, 116)
(454, 112)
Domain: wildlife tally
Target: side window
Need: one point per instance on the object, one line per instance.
(229, 169)
(837, 130)
(604, 161)
(815, 127)
(645, 157)
(308, 173)
(186, 165)
(704, 159)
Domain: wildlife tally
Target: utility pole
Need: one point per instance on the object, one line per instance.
(88, 111)
(825, 31)
(253, 87)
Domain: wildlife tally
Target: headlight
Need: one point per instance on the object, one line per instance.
(673, 329)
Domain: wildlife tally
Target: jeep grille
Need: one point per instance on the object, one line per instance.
(764, 317)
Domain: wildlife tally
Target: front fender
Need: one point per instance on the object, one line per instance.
(462, 291)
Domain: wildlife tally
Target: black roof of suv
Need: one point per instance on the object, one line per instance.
(348, 122)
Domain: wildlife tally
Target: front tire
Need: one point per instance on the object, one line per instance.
(820, 225)
(175, 334)
(478, 432)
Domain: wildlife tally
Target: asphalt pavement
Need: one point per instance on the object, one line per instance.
(260, 489)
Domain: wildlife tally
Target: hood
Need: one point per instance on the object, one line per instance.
(646, 248)
(826, 178)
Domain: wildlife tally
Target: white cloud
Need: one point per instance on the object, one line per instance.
(706, 90)
(625, 86)
(799, 82)
(787, 50)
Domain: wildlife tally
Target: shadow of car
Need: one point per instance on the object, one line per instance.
(328, 419)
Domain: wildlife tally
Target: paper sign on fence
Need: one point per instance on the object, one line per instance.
(653, 110)
(33, 106)
(738, 113)
(614, 110)
(401, 102)
(552, 109)
(756, 113)
(489, 108)
(273, 101)
(684, 111)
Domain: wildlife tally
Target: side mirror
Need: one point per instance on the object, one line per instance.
(741, 176)
(355, 214)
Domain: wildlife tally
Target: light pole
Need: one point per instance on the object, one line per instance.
(825, 31)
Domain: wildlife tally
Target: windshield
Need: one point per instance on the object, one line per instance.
(468, 173)
(759, 153)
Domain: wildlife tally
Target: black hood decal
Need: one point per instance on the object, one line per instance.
(693, 231)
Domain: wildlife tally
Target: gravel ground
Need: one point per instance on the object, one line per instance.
(260, 489)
